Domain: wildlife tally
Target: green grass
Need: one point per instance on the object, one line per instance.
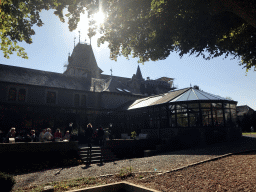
(249, 133)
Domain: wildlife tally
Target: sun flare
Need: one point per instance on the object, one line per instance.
(99, 17)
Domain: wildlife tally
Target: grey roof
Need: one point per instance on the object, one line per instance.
(27, 76)
(83, 57)
(187, 94)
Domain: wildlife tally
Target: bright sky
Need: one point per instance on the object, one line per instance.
(53, 41)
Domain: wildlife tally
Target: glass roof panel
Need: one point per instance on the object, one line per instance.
(145, 103)
(200, 95)
(192, 96)
(184, 96)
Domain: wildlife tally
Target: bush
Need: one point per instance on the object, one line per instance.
(6, 181)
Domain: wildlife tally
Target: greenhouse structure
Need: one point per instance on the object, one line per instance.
(189, 115)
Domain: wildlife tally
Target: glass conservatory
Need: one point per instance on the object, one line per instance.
(184, 109)
(188, 107)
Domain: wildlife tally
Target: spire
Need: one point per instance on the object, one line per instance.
(138, 73)
(79, 36)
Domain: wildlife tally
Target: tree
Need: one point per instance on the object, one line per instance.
(18, 17)
(151, 30)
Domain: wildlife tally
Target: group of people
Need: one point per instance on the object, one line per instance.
(100, 135)
(45, 135)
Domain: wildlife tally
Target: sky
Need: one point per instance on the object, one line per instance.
(53, 42)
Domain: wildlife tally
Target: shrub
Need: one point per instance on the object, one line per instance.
(133, 134)
(6, 181)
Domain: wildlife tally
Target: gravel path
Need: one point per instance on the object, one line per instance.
(160, 163)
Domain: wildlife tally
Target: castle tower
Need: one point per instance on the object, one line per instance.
(82, 62)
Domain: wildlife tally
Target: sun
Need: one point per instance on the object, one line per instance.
(99, 17)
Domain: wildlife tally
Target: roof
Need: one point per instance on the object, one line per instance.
(186, 94)
(138, 73)
(113, 85)
(83, 57)
(27, 76)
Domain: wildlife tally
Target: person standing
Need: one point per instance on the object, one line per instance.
(100, 136)
(89, 132)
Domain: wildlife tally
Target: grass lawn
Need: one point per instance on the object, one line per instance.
(249, 133)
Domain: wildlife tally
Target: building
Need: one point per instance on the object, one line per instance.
(34, 99)
(188, 115)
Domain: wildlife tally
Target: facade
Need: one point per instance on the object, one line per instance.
(34, 99)
(186, 113)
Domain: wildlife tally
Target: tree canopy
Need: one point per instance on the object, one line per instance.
(18, 17)
(147, 29)
(151, 30)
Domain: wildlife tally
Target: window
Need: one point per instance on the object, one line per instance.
(194, 120)
(51, 97)
(22, 95)
(83, 100)
(206, 117)
(79, 100)
(17, 94)
(182, 120)
(76, 100)
(227, 117)
(12, 94)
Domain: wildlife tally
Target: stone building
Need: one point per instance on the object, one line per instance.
(35, 99)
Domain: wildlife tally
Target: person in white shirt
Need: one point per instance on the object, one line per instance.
(48, 135)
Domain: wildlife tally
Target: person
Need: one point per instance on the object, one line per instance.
(89, 132)
(33, 136)
(58, 135)
(67, 136)
(41, 136)
(1, 136)
(100, 136)
(106, 135)
(48, 135)
(10, 134)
